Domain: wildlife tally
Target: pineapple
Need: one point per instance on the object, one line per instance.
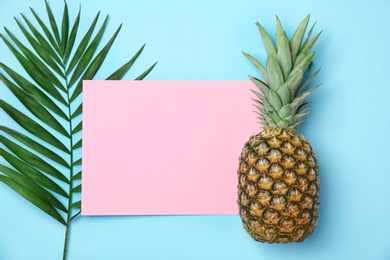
(278, 190)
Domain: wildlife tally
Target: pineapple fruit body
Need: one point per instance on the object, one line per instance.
(278, 190)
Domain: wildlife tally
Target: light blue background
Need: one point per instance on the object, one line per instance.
(202, 40)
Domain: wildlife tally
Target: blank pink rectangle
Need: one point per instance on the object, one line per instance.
(164, 147)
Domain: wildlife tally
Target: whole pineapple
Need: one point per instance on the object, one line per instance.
(278, 190)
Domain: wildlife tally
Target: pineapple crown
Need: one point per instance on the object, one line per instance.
(282, 93)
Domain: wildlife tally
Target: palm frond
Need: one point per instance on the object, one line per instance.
(40, 158)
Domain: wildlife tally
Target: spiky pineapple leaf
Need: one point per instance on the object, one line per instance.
(40, 156)
(308, 35)
(269, 45)
(297, 38)
(257, 64)
(262, 86)
(307, 81)
(306, 49)
(284, 54)
(274, 73)
(282, 94)
(304, 63)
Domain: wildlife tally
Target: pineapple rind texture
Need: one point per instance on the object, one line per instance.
(278, 190)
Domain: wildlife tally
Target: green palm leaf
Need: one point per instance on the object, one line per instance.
(40, 156)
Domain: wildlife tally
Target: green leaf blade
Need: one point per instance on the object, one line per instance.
(77, 176)
(32, 159)
(53, 24)
(82, 46)
(77, 112)
(72, 38)
(37, 147)
(76, 205)
(118, 74)
(44, 54)
(78, 128)
(43, 163)
(33, 91)
(33, 198)
(95, 65)
(33, 174)
(77, 145)
(43, 42)
(36, 108)
(88, 55)
(77, 188)
(36, 62)
(33, 187)
(146, 72)
(64, 29)
(46, 31)
(34, 73)
(32, 127)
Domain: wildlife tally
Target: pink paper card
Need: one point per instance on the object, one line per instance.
(164, 147)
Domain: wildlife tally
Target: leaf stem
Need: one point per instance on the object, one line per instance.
(69, 217)
(66, 241)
